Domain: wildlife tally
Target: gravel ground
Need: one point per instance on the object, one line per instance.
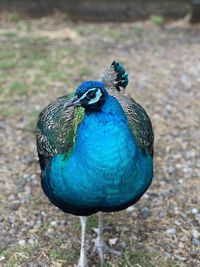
(163, 62)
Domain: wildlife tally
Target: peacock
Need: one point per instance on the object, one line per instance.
(95, 149)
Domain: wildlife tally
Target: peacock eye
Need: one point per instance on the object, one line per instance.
(91, 94)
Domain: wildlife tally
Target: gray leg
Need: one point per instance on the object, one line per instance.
(98, 241)
(83, 259)
(99, 246)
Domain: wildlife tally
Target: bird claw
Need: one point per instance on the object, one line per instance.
(82, 262)
(100, 247)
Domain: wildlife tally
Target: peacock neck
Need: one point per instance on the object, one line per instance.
(101, 133)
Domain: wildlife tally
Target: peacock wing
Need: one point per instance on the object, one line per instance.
(56, 128)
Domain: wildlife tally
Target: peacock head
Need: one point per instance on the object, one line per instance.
(90, 95)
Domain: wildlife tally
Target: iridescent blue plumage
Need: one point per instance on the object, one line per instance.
(107, 170)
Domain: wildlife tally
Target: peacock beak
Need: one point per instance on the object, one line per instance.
(75, 101)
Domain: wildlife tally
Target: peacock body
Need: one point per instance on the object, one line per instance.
(95, 147)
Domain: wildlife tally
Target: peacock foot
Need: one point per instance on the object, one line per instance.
(82, 262)
(101, 248)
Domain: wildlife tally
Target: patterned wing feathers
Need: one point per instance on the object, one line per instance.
(56, 128)
(139, 121)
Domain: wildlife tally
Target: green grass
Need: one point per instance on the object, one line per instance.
(157, 20)
(18, 87)
(29, 64)
(32, 121)
(25, 66)
(68, 257)
(58, 254)
(128, 259)
(6, 111)
(84, 72)
(16, 255)
(6, 65)
(141, 259)
(3, 252)
(92, 222)
(15, 18)
(137, 30)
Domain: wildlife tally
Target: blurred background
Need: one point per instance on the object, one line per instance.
(47, 48)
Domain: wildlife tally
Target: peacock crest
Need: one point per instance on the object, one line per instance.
(115, 77)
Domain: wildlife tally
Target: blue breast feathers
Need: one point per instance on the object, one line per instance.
(107, 170)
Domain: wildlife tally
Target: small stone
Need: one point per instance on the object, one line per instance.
(43, 214)
(2, 258)
(195, 241)
(177, 222)
(15, 206)
(28, 159)
(22, 242)
(38, 223)
(43, 264)
(2, 125)
(4, 243)
(190, 154)
(53, 223)
(195, 233)
(134, 237)
(171, 231)
(37, 107)
(134, 214)
(178, 166)
(31, 241)
(123, 244)
(32, 264)
(145, 213)
(64, 236)
(12, 231)
(168, 255)
(197, 217)
(130, 209)
(113, 241)
(170, 169)
(194, 211)
(1, 219)
(162, 214)
(180, 245)
(11, 219)
(124, 229)
(146, 196)
(11, 197)
(184, 238)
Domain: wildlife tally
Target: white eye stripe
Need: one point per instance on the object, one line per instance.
(96, 99)
(84, 95)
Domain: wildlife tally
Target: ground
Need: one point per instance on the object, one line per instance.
(43, 59)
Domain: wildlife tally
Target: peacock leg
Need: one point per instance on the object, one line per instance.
(83, 258)
(99, 245)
